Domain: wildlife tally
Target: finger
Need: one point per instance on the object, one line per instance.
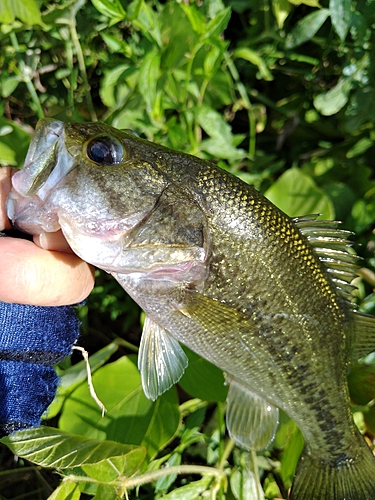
(31, 275)
(52, 241)
(5, 187)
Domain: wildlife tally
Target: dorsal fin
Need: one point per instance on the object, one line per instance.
(332, 246)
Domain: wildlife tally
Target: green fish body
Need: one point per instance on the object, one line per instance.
(219, 268)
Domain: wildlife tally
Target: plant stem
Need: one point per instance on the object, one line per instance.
(26, 75)
(168, 471)
(82, 67)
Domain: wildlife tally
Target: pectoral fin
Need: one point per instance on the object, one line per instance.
(251, 420)
(161, 360)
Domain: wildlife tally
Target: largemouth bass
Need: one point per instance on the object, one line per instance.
(217, 267)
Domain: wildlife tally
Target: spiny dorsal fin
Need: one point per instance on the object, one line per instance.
(161, 360)
(251, 420)
(332, 247)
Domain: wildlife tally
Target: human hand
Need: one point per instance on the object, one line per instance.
(45, 272)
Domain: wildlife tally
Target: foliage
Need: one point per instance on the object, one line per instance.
(279, 92)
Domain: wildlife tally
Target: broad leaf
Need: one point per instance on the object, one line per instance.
(296, 194)
(75, 375)
(67, 490)
(110, 8)
(306, 28)
(131, 418)
(26, 10)
(148, 78)
(341, 15)
(191, 491)
(51, 447)
(281, 10)
(335, 99)
(202, 379)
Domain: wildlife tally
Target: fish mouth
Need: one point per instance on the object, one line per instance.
(46, 163)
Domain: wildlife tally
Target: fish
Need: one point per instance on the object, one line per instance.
(217, 267)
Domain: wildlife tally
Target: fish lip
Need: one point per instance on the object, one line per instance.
(47, 132)
(43, 169)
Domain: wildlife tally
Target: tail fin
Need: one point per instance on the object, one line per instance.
(350, 479)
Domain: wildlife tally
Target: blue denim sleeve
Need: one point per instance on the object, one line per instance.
(32, 340)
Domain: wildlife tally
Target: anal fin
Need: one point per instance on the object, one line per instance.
(251, 420)
(161, 360)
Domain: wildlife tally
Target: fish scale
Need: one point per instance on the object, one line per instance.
(217, 267)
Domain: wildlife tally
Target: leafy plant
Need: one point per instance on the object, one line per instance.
(280, 93)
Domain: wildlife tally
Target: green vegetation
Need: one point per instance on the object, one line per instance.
(279, 92)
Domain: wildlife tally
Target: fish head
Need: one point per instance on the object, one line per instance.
(89, 180)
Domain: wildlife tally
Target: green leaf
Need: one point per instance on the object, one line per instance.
(222, 142)
(75, 375)
(110, 469)
(14, 142)
(245, 486)
(360, 147)
(131, 418)
(106, 492)
(202, 379)
(191, 491)
(251, 56)
(51, 447)
(281, 10)
(197, 21)
(330, 103)
(290, 456)
(361, 381)
(67, 490)
(7, 155)
(296, 194)
(9, 86)
(306, 28)
(148, 78)
(218, 24)
(110, 8)
(146, 19)
(310, 3)
(26, 10)
(341, 15)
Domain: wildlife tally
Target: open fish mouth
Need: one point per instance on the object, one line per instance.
(44, 167)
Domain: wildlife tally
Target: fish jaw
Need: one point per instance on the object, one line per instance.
(45, 166)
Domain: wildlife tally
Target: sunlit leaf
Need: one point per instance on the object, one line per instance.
(296, 194)
(290, 456)
(245, 486)
(110, 8)
(251, 56)
(131, 418)
(305, 29)
(148, 78)
(341, 15)
(106, 492)
(335, 99)
(310, 3)
(67, 490)
(218, 24)
(51, 447)
(191, 491)
(281, 10)
(26, 10)
(75, 375)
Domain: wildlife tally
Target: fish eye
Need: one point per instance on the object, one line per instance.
(105, 150)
